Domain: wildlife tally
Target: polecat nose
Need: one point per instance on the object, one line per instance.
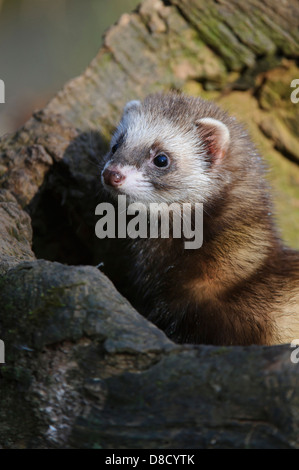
(113, 177)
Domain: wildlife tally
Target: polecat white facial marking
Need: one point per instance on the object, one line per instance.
(242, 285)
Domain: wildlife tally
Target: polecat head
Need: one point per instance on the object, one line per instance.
(170, 148)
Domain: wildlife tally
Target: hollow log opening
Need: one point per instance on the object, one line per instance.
(63, 212)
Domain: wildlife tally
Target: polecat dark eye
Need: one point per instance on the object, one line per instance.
(115, 147)
(161, 160)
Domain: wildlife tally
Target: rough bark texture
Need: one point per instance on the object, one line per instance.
(83, 368)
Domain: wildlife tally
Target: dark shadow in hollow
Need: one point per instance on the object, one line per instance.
(63, 212)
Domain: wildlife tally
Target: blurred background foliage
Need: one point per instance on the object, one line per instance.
(44, 43)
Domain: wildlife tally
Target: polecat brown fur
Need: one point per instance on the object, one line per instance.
(242, 286)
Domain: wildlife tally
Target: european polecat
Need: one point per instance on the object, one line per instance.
(242, 286)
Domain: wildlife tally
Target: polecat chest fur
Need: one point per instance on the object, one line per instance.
(242, 285)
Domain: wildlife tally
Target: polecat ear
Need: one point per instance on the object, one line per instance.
(215, 136)
(134, 104)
